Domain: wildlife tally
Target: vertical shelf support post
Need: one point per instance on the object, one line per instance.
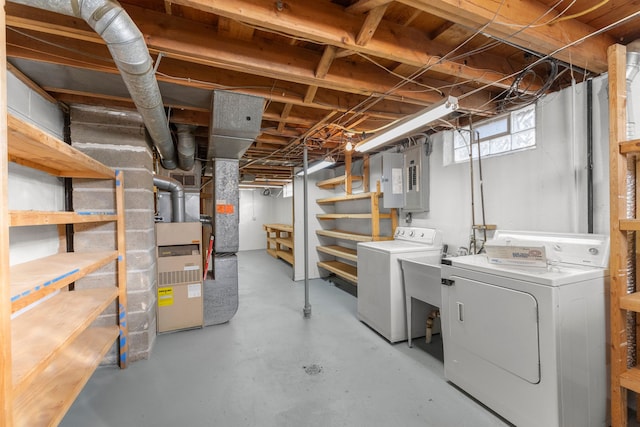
(619, 247)
(6, 381)
(122, 271)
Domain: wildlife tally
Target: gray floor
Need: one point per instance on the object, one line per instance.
(269, 366)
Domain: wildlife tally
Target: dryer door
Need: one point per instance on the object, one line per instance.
(497, 324)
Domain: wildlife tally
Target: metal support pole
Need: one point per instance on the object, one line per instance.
(590, 156)
(307, 307)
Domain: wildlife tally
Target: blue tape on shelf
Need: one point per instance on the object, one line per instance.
(15, 298)
(117, 183)
(119, 257)
(123, 324)
(123, 341)
(123, 357)
(95, 212)
(52, 281)
(122, 314)
(25, 293)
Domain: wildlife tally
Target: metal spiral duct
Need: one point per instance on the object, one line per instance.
(633, 66)
(177, 195)
(186, 146)
(130, 54)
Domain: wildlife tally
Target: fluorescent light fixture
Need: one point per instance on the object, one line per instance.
(324, 163)
(409, 124)
(245, 186)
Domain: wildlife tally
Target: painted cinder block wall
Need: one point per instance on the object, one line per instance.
(117, 138)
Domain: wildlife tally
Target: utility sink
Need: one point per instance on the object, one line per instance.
(422, 282)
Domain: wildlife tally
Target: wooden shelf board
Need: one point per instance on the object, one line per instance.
(285, 241)
(345, 235)
(24, 218)
(286, 255)
(39, 334)
(347, 197)
(346, 271)
(32, 280)
(631, 302)
(630, 147)
(630, 224)
(272, 252)
(631, 379)
(334, 182)
(51, 394)
(339, 251)
(32, 147)
(278, 227)
(344, 216)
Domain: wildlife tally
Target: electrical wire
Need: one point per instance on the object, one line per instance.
(370, 101)
(579, 14)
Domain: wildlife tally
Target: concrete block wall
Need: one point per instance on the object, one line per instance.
(117, 139)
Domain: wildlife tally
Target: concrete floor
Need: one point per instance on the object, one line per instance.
(269, 366)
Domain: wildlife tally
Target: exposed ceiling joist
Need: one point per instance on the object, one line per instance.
(523, 23)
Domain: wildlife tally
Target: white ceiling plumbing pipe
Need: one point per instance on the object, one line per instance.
(131, 56)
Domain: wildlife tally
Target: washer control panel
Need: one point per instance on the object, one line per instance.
(427, 236)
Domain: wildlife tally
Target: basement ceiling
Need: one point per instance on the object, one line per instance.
(330, 71)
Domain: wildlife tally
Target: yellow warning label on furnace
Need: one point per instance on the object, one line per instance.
(165, 296)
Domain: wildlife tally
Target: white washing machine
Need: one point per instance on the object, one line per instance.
(381, 302)
(530, 342)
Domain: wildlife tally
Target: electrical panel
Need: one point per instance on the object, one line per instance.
(416, 174)
(392, 180)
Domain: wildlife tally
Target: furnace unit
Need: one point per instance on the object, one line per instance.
(180, 303)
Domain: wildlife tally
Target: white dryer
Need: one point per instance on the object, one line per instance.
(529, 342)
(381, 302)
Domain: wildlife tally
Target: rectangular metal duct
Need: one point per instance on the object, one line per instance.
(235, 124)
(226, 197)
(221, 294)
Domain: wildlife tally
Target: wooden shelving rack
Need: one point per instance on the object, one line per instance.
(623, 156)
(280, 241)
(347, 270)
(50, 350)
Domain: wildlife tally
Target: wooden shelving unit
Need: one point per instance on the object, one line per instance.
(337, 181)
(340, 252)
(50, 350)
(347, 270)
(280, 241)
(348, 179)
(623, 159)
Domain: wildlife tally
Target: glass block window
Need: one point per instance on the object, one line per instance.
(500, 135)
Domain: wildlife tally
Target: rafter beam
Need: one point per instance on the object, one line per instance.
(328, 55)
(374, 17)
(310, 94)
(327, 23)
(202, 76)
(192, 42)
(233, 29)
(283, 117)
(518, 24)
(363, 6)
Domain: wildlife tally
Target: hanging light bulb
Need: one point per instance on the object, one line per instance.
(349, 145)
